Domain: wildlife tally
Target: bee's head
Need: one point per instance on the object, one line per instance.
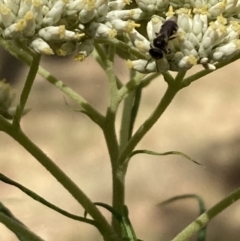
(156, 53)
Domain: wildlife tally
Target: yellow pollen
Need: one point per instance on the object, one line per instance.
(222, 5)
(61, 52)
(29, 16)
(199, 10)
(222, 20)
(170, 12)
(129, 64)
(112, 33)
(79, 57)
(213, 25)
(222, 29)
(47, 51)
(37, 3)
(192, 60)
(4, 10)
(90, 4)
(235, 26)
(131, 25)
(79, 35)
(21, 24)
(61, 31)
(128, 2)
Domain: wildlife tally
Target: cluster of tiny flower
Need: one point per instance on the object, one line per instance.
(208, 30)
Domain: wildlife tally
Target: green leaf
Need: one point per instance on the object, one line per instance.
(164, 154)
(38, 198)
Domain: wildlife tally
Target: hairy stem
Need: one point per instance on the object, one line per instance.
(146, 126)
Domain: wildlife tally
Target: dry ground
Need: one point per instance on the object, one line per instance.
(203, 121)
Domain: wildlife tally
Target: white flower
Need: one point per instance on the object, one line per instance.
(54, 33)
(41, 47)
(55, 13)
(139, 41)
(6, 15)
(100, 30)
(118, 4)
(101, 10)
(187, 62)
(141, 65)
(88, 12)
(74, 6)
(224, 51)
(134, 14)
(154, 26)
(123, 26)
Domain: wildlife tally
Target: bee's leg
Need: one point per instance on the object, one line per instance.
(157, 67)
(148, 63)
(173, 36)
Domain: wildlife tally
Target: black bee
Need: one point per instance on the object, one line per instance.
(160, 43)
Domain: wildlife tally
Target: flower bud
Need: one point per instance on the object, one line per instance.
(55, 13)
(6, 16)
(141, 65)
(84, 49)
(41, 47)
(100, 30)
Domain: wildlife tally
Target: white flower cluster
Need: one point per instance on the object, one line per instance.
(60, 26)
(208, 30)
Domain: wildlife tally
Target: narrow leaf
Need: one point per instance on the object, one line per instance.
(38, 198)
(164, 154)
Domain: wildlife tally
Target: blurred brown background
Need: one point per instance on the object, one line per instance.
(203, 121)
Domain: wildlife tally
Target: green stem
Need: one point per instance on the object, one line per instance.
(18, 228)
(109, 126)
(187, 81)
(126, 119)
(110, 132)
(202, 220)
(131, 85)
(99, 56)
(73, 189)
(27, 88)
(148, 79)
(146, 126)
(135, 108)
